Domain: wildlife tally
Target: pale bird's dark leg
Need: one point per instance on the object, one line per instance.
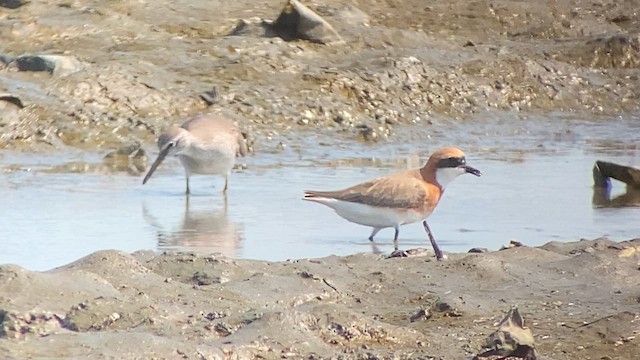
(373, 233)
(226, 184)
(395, 238)
(436, 249)
(188, 190)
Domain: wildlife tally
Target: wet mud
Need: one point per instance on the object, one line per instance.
(100, 75)
(577, 300)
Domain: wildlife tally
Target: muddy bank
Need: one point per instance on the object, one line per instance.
(580, 300)
(114, 73)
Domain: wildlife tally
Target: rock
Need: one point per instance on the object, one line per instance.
(478, 250)
(211, 96)
(15, 100)
(14, 325)
(343, 117)
(12, 4)
(512, 338)
(602, 198)
(630, 251)
(512, 244)
(367, 133)
(5, 60)
(296, 21)
(59, 65)
(448, 307)
(411, 253)
(600, 180)
(10, 106)
(64, 65)
(603, 171)
(215, 315)
(422, 314)
(203, 279)
(252, 27)
(129, 158)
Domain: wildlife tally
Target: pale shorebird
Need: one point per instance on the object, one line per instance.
(205, 144)
(402, 198)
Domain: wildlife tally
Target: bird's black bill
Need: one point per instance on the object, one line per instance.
(163, 154)
(471, 170)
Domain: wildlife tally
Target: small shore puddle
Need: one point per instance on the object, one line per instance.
(536, 187)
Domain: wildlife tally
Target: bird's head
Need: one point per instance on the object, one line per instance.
(447, 164)
(172, 142)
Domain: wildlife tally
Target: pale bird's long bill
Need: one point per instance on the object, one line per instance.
(163, 154)
(471, 170)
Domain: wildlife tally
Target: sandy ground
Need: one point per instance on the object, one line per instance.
(579, 299)
(126, 69)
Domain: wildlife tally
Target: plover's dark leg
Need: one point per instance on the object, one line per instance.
(433, 241)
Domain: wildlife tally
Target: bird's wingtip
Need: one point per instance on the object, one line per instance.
(308, 195)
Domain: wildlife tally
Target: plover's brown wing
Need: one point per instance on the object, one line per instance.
(391, 192)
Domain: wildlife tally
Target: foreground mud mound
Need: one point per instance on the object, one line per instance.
(579, 300)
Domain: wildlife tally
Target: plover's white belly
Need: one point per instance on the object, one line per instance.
(373, 216)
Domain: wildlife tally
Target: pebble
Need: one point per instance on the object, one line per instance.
(627, 252)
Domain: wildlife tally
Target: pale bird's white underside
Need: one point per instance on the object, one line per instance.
(218, 160)
(367, 215)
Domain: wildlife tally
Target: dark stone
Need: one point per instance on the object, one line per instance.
(604, 170)
(296, 21)
(12, 4)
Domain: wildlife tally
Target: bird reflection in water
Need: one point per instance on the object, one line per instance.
(204, 229)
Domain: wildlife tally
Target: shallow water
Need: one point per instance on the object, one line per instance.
(536, 187)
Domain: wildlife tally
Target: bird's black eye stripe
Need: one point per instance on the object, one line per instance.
(451, 162)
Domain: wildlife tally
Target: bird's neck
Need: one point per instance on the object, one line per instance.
(428, 174)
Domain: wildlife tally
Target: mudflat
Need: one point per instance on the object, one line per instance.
(95, 75)
(579, 299)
